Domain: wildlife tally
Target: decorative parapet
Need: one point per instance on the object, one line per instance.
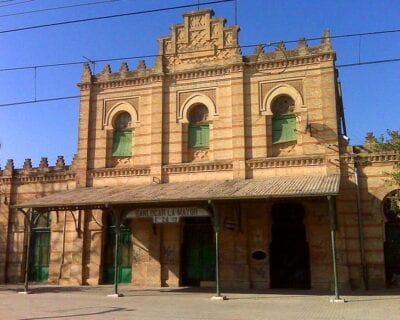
(284, 162)
(198, 167)
(119, 172)
(201, 44)
(367, 158)
(43, 174)
(50, 176)
(200, 39)
(281, 57)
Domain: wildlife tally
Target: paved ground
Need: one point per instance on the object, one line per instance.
(52, 302)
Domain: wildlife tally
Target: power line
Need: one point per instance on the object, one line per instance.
(58, 8)
(310, 69)
(38, 100)
(111, 16)
(201, 50)
(14, 4)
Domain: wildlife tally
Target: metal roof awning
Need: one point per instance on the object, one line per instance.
(272, 187)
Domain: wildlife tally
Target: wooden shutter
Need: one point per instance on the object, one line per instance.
(199, 136)
(284, 128)
(122, 143)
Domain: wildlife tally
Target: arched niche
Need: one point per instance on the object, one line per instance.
(194, 100)
(279, 90)
(117, 109)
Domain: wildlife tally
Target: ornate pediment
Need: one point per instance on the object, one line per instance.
(201, 39)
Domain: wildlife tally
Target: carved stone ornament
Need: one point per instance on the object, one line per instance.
(201, 155)
(201, 38)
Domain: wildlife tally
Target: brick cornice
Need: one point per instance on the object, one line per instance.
(284, 162)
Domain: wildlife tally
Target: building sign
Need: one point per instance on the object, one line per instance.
(165, 219)
(179, 212)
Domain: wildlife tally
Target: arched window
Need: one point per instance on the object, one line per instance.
(122, 140)
(199, 129)
(283, 120)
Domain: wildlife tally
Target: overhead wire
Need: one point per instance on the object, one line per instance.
(202, 50)
(15, 3)
(58, 8)
(286, 71)
(119, 15)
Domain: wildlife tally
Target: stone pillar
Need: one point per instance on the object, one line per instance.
(259, 240)
(146, 266)
(233, 247)
(156, 129)
(84, 129)
(170, 255)
(93, 247)
(6, 186)
(238, 122)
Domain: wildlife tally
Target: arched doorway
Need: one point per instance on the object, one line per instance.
(289, 252)
(391, 210)
(124, 259)
(198, 252)
(40, 248)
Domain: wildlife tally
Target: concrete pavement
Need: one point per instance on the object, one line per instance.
(52, 302)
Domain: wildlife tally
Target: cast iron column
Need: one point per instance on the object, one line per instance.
(215, 221)
(333, 227)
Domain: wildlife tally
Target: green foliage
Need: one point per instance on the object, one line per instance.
(391, 143)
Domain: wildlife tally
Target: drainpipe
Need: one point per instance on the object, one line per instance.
(63, 248)
(361, 226)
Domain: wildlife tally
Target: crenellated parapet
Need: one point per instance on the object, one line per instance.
(203, 46)
(302, 54)
(42, 173)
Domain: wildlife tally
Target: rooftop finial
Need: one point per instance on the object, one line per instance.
(142, 65)
(87, 73)
(27, 164)
(326, 40)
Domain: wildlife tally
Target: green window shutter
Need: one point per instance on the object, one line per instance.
(122, 143)
(284, 128)
(199, 136)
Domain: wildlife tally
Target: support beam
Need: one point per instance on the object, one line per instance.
(333, 228)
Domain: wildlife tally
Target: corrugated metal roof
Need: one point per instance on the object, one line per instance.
(274, 187)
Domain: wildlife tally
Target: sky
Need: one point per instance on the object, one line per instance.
(49, 129)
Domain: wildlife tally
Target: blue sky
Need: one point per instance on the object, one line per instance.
(50, 129)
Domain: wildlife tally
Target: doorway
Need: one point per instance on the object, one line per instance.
(391, 209)
(289, 251)
(124, 259)
(198, 251)
(40, 248)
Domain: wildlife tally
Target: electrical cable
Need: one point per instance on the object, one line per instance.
(156, 55)
(310, 69)
(111, 16)
(58, 8)
(14, 4)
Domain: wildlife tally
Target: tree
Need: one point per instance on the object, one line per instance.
(391, 143)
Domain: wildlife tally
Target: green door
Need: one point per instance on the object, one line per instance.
(392, 253)
(40, 255)
(124, 259)
(198, 252)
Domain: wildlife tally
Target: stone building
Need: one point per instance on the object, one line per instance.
(208, 148)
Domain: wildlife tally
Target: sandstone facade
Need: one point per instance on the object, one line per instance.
(201, 64)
